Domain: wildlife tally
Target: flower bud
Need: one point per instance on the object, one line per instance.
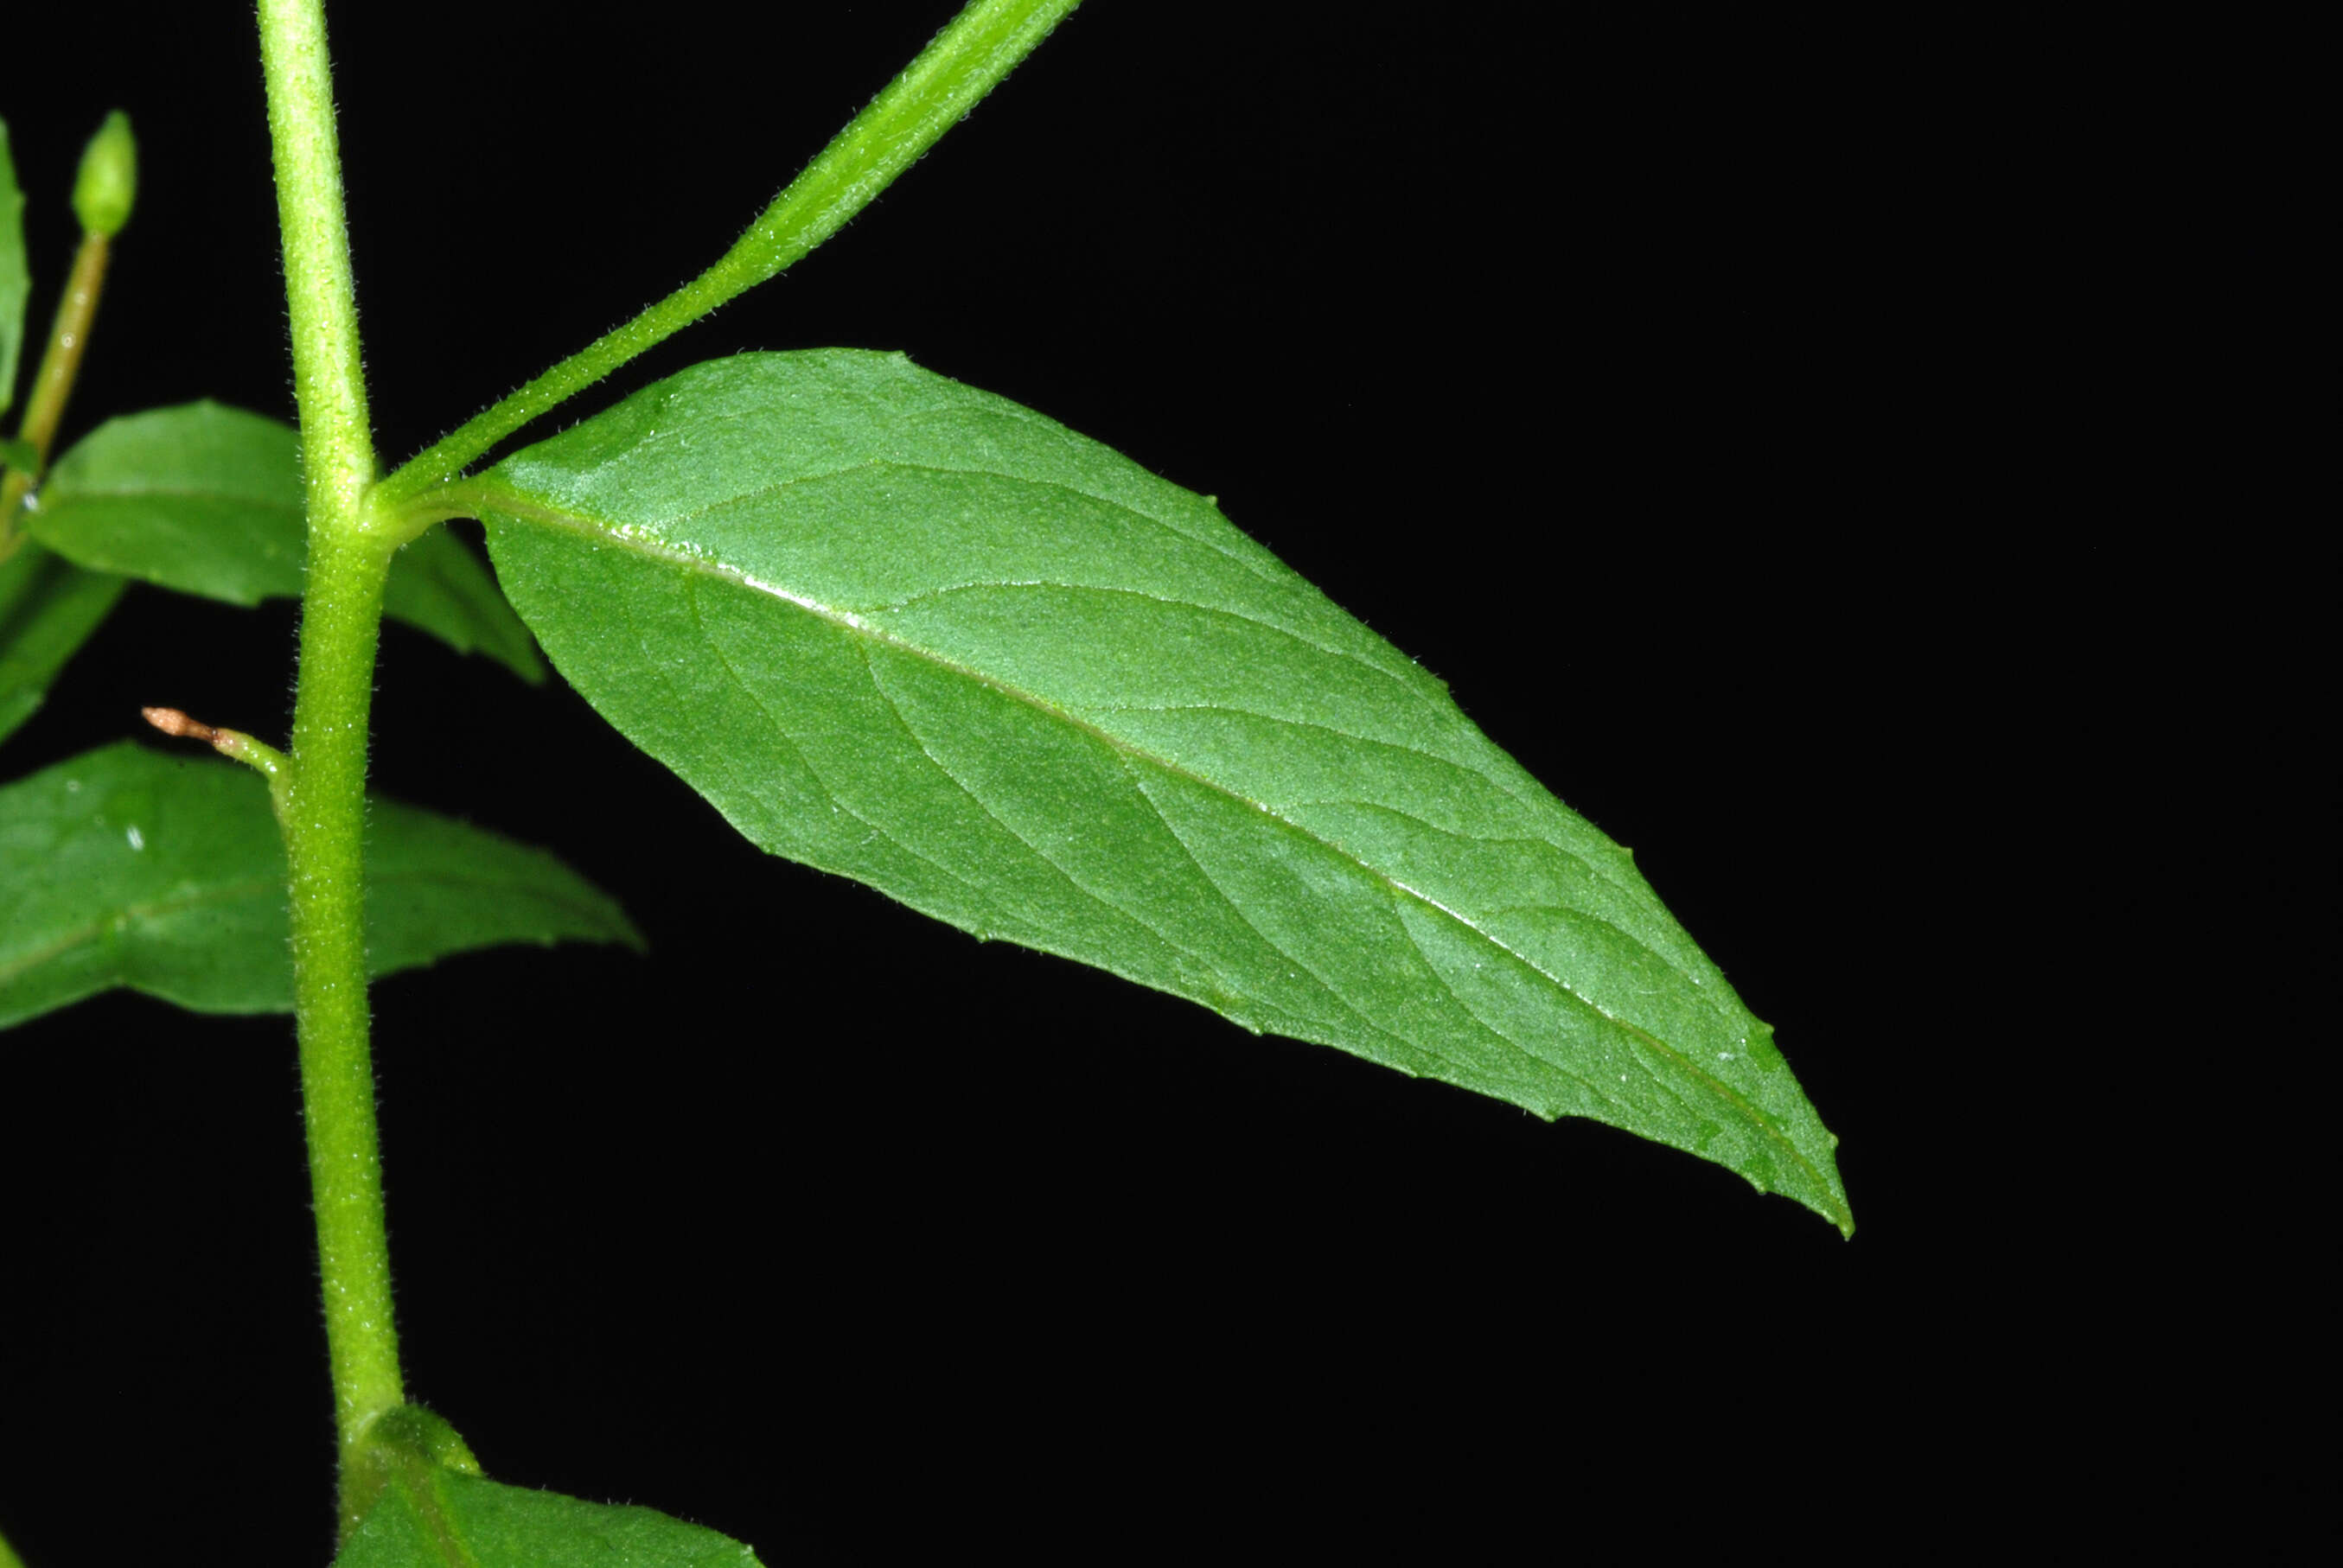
(108, 182)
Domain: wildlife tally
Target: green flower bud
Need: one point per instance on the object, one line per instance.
(108, 182)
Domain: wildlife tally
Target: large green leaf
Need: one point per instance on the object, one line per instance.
(48, 607)
(907, 631)
(122, 867)
(16, 279)
(208, 500)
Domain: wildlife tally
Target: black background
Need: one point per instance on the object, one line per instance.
(1707, 403)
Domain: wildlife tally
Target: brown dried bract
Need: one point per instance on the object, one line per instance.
(171, 721)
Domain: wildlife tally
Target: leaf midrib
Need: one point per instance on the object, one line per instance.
(233, 892)
(1407, 675)
(497, 494)
(77, 496)
(90, 930)
(1406, 678)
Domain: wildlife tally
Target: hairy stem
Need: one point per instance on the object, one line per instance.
(53, 383)
(324, 815)
(963, 63)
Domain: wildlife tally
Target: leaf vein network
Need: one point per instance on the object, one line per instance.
(1133, 916)
(725, 572)
(81, 935)
(797, 749)
(1409, 678)
(1104, 589)
(1268, 942)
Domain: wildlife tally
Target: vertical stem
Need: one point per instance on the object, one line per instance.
(336, 447)
(324, 822)
(325, 807)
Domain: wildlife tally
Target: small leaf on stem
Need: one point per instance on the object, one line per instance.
(440, 1516)
(48, 609)
(422, 1503)
(208, 500)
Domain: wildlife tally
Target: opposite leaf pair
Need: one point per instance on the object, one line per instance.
(912, 633)
(907, 631)
(890, 627)
(204, 499)
(123, 868)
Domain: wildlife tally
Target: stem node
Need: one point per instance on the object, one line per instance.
(321, 795)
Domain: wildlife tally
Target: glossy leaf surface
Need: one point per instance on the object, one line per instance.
(48, 609)
(907, 631)
(15, 278)
(208, 500)
(123, 867)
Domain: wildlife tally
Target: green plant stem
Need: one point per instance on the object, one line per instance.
(324, 819)
(53, 384)
(963, 63)
(324, 800)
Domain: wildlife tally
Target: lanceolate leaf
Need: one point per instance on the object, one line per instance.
(208, 500)
(122, 867)
(905, 630)
(48, 607)
(16, 281)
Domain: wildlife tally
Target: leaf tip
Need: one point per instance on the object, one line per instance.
(524, 661)
(1835, 1208)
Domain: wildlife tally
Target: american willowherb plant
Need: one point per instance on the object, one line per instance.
(890, 626)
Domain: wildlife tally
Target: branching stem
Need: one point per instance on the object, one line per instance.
(324, 810)
(257, 755)
(356, 525)
(963, 63)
